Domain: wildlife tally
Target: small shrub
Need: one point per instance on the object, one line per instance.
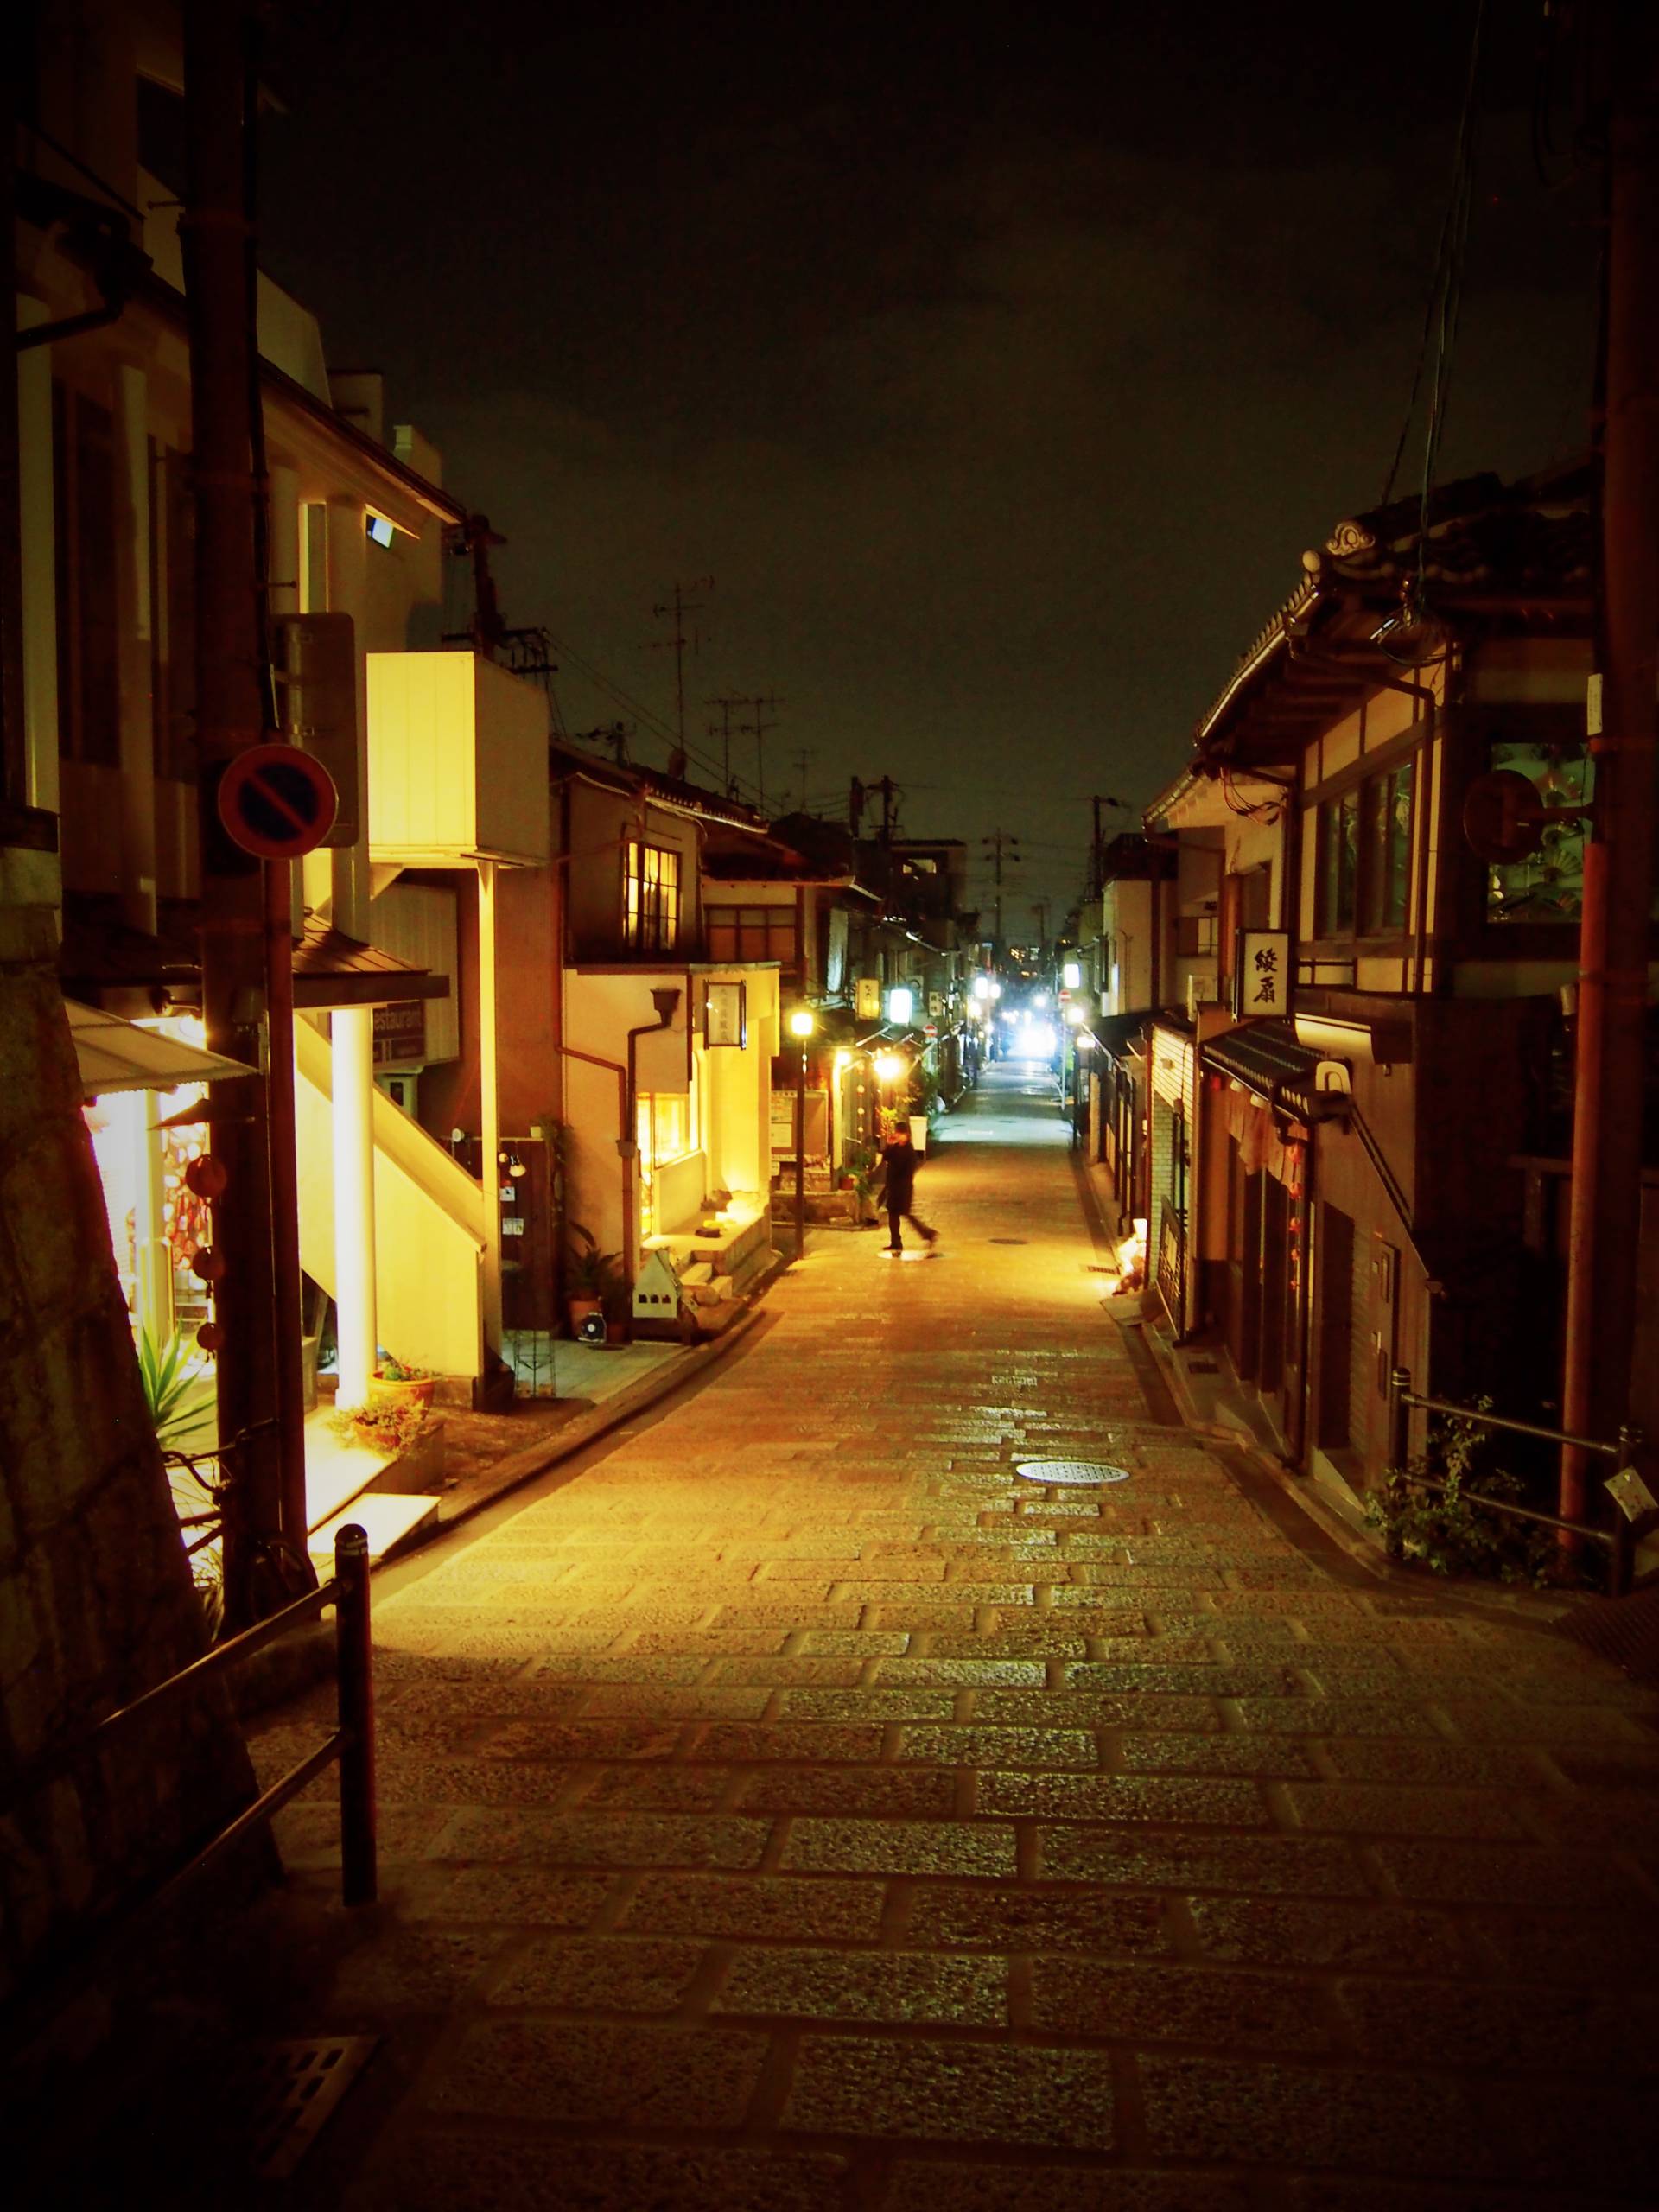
(391, 1429)
(1447, 1534)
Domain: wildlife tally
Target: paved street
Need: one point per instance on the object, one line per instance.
(791, 1809)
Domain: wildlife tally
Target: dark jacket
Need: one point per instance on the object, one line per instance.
(901, 1161)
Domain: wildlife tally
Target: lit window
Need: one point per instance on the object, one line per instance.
(650, 898)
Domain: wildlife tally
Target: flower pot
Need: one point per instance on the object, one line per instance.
(417, 1391)
(578, 1310)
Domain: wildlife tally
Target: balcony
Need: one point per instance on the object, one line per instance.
(457, 763)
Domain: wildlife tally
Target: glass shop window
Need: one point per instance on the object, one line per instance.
(1337, 871)
(751, 932)
(1385, 850)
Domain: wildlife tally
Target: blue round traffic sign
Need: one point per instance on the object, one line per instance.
(278, 802)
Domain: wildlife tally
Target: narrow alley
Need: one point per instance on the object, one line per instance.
(792, 1807)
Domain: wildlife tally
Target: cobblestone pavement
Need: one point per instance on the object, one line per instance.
(795, 1809)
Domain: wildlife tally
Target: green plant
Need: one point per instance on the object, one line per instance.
(181, 1402)
(1444, 1531)
(395, 1371)
(863, 1161)
(589, 1272)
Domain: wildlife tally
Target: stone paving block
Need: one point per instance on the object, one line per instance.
(1475, 1766)
(881, 1703)
(1577, 1725)
(1467, 2028)
(568, 1742)
(1210, 1678)
(421, 1969)
(1145, 1800)
(867, 1986)
(670, 1700)
(1041, 1637)
(711, 1642)
(798, 1671)
(789, 1909)
(951, 2092)
(1324, 2193)
(630, 1667)
(962, 1674)
(1622, 1819)
(607, 1839)
(1095, 1708)
(736, 1742)
(1394, 2122)
(963, 1743)
(858, 1644)
(1322, 1716)
(950, 1916)
(905, 1847)
(1154, 2004)
(1512, 1874)
(881, 1792)
(504, 1896)
(606, 1973)
(651, 1790)
(575, 2072)
(309, 1835)
(1122, 1857)
(1387, 1808)
(1171, 1752)
(1376, 1938)
(915, 2185)
(434, 2172)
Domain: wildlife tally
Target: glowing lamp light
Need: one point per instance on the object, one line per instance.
(900, 1002)
(1071, 974)
(1040, 998)
(844, 1061)
(801, 1022)
(1074, 1015)
(888, 1067)
(981, 987)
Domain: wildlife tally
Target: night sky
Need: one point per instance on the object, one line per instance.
(997, 365)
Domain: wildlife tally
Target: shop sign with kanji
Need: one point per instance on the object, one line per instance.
(1262, 974)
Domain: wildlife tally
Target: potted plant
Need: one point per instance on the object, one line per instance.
(394, 1382)
(590, 1273)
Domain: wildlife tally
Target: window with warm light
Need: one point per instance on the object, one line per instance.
(664, 1130)
(650, 898)
(751, 933)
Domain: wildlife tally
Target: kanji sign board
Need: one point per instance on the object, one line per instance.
(277, 802)
(1262, 975)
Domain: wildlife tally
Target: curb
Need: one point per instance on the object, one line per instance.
(1522, 1608)
(510, 1474)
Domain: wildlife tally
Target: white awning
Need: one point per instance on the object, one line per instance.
(118, 1055)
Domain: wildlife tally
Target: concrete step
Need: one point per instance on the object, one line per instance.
(390, 1519)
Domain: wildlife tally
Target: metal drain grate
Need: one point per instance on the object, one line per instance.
(288, 2089)
(1007, 1240)
(1074, 1471)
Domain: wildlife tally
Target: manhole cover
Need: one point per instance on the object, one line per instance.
(1070, 1470)
(1005, 1240)
(288, 2089)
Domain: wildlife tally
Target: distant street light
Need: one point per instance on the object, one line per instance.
(802, 1023)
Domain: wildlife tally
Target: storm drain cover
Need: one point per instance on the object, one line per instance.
(288, 2089)
(1070, 1470)
(1005, 1240)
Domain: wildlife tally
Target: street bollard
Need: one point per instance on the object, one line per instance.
(354, 1664)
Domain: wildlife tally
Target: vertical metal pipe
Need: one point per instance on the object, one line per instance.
(800, 1161)
(1399, 1419)
(354, 1666)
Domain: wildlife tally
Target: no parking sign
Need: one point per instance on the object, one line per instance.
(277, 802)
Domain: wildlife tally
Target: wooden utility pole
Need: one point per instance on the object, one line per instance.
(230, 716)
(1611, 1044)
(997, 841)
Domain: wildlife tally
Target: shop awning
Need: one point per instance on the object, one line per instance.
(1117, 1033)
(100, 953)
(118, 1055)
(1266, 1058)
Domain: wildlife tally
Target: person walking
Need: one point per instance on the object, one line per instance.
(900, 1159)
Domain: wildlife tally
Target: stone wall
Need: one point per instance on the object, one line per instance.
(96, 1600)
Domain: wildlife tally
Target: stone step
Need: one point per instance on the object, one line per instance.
(390, 1519)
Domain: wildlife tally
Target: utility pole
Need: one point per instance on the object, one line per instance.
(679, 606)
(724, 732)
(801, 759)
(763, 704)
(1611, 1040)
(230, 716)
(997, 841)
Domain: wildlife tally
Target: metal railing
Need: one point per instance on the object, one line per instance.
(352, 1743)
(1620, 1540)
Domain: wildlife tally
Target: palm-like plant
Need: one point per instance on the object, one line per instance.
(181, 1404)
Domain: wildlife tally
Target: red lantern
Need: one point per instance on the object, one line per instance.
(207, 1264)
(207, 1177)
(210, 1335)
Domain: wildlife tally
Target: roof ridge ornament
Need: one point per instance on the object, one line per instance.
(1349, 537)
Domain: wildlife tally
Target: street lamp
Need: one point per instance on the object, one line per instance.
(802, 1023)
